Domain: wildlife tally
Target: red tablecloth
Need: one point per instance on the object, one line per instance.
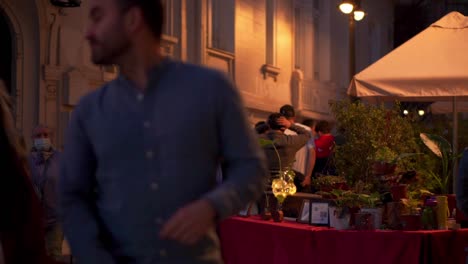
(251, 240)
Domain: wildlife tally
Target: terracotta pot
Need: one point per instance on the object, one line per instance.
(392, 214)
(278, 216)
(383, 168)
(399, 192)
(411, 222)
(266, 216)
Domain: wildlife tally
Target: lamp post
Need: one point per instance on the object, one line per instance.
(355, 13)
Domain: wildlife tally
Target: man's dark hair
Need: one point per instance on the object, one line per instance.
(272, 121)
(287, 111)
(323, 126)
(153, 13)
(308, 122)
(261, 127)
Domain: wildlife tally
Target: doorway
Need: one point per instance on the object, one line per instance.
(6, 51)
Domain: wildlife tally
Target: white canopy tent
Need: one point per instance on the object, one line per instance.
(430, 67)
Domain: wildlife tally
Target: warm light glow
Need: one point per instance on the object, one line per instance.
(346, 7)
(359, 15)
(405, 112)
(421, 112)
(291, 188)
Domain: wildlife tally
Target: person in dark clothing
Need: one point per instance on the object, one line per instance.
(44, 166)
(261, 127)
(21, 228)
(286, 145)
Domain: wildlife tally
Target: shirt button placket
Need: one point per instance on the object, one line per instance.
(159, 221)
(140, 97)
(149, 154)
(154, 186)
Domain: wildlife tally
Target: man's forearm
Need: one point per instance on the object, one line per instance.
(299, 130)
(311, 163)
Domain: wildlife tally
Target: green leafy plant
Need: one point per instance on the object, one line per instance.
(371, 132)
(385, 154)
(328, 182)
(443, 150)
(411, 206)
(415, 200)
(370, 200)
(354, 198)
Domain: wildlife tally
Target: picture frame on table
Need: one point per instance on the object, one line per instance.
(319, 214)
(246, 211)
(304, 213)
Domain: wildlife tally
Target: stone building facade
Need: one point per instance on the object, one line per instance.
(277, 51)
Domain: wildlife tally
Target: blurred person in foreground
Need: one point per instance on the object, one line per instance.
(138, 177)
(44, 165)
(21, 229)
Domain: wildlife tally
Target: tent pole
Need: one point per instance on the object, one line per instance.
(455, 143)
(352, 46)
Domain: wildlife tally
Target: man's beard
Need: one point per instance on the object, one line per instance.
(109, 54)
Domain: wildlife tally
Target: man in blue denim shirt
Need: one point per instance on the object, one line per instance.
(138, 178)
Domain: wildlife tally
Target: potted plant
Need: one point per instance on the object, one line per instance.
(443, 174)
(329, 182)
(384, 161)
(343, 204)
(371, 203)
(371, 133)
(410, 215)
(443, 150)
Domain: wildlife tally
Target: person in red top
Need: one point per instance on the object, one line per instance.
(323, 148)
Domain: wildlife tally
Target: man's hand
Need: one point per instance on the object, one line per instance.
(190, 223)
(282, 121)
(306, 181)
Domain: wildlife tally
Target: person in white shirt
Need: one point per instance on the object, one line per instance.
(305, 157)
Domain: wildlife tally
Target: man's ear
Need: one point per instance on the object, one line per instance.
(133, 19)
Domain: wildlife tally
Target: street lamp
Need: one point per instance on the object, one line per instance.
(358, 14)
(355, 13)
(346, 7)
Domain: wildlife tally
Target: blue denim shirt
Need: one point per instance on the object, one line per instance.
(132, 159)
